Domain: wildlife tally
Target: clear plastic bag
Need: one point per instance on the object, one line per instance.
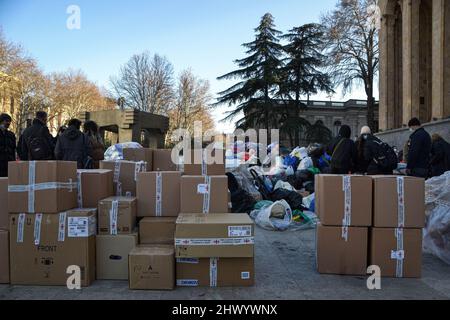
(115, 152)
(277, 216)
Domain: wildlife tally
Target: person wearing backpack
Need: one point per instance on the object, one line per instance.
(343, 152)
(440, 156)
(73, 145)
(419, 149)
(36, 142)
(7, 144)
(91, 131)
(374, 156)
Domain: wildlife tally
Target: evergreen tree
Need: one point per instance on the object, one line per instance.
(259, 74)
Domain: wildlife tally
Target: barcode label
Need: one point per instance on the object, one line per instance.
(202, 188)
(81, 227)
(245, 275)
(188, 260)
(398, 255)
(239, 231)
(187, 283)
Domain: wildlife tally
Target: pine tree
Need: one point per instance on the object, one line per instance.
(259, 74)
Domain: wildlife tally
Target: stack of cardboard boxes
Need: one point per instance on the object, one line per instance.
(370, 221)
(4, 234)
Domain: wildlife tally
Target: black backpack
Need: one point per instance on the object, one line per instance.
(38, 147)
(384, 156)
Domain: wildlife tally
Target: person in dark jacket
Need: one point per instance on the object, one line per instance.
(367, 146)
(343, 152)
(36, 142)
(419, 148)
(73, 145)
(7, 144)
(440, 156)
(91, 131)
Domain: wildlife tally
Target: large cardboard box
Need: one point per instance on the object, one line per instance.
(152, 268)
(43, 246)
(344, 200)
(124, 175)
(4, 214)
(399, 202)
(215, 272)
(203, 162)
(207, 194)
(112, 255)
(157, 230)
(162, 160)
(398, 252)
(42, 186)
(93, 186)
(139, 154)
(117, 215)
(4, 257)
(158, 194)
(214, 235)
(337, 255)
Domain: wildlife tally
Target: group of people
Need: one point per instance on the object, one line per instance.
(37, 143)
(425, 156)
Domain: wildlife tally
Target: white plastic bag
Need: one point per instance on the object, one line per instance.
(277, 216)
(283, 185)
(115, 152)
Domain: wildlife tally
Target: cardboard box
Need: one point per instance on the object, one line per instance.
(157, 230)
(215, 272)
(214, 235)
(162, 160)
(4, 257)
(158, 194)
(152, 268)
(398, 252)
(388, 202)
(139, 154)
(43, 246)
(4, 214)
(95, 185)
(335, 255)
(52, 185)
(204, 194)
(203, 162)
(124, 175)
(331, 199)
(112, 255)
(117, 215)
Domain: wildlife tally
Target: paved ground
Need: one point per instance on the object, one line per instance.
(284, 270)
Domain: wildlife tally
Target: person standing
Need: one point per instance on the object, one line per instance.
(73, 145)
(36, 142)
(91, 131)
(419, 149)
(7, 144)
(440, 156)
(343, 152)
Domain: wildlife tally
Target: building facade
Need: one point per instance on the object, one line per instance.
(414, 61)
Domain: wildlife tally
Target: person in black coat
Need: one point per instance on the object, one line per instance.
(368, 148)
(440, 156)
(419, 148)
(36, 142)
(343, 152)
(73, 145)
(7, 144)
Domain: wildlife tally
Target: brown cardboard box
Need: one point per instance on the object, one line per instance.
(215, 272)
(162, 160)
(394, 261)
(336, 256)
(197, 190)
(64, 240)
(4, 257)
(152, 268)
(55, 184)
(210, 167)
(95, 186)
(386, 202)
(157, 230)
(122, 220)
(124, 176)
(112, 255)
(4, 214)
(165, 202)
(139, 154)
(330, 199)
(222, 235)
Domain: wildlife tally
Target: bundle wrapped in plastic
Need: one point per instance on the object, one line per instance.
(437, 228)
(115, 152)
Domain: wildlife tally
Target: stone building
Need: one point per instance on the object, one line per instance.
(414, 61)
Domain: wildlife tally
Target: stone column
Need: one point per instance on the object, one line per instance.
(411, 54)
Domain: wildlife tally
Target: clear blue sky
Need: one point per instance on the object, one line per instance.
(204, 35)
